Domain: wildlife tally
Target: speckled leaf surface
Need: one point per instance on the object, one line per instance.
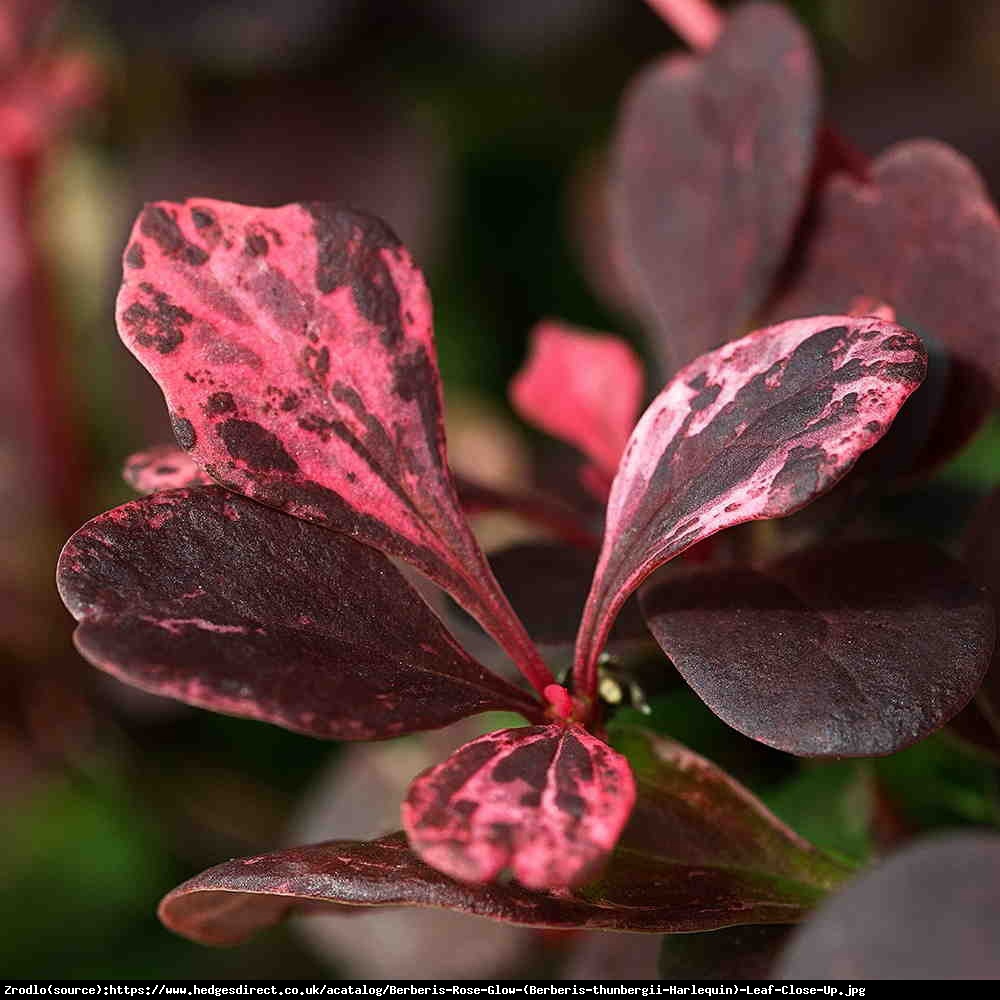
(162, 467)
(585, 389)
(546, 802)
(294, 347)
(931, 912)
(756, 429)
(711, 162)
(700, 853)
(852, 650)
(921, 235)
(205, 596)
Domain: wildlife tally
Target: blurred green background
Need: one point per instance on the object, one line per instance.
(478, 130)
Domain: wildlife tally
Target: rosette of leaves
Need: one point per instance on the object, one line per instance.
(294, 348)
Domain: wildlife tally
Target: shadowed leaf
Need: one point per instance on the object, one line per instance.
(756, 429)
(732, 953)
(548, 802)
(712, 158)
(700, 853)
(584, 389)
(162, 467)
(930, 912)
(921, 235)
(210, 598)
(848, 651)
(295, 350)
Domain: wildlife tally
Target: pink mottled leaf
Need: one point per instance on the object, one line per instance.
(295, 350)
(700, 853)
(711, 166)
(547, 802)
(162, 467)
(585, 389)
(922, 236)
(931, 912)
(844, 651)
(210, 598)
(756, 429)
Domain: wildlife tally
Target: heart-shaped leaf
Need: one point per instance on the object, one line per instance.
(700, 853)
(205, 596)
(295, 350)
(711, 162)
(756, 429)
(586, 390)
(856, 650)
(162, 467)
(548, 802)
(930, 912)
(922, 235)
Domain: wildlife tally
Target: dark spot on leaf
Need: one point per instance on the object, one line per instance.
(201, 218)
(571, 804)
(290, 402)
(531, 799)
(530, 763)
(162, 228)
(135, 257)
(160, 326)
(706, 397)
(259, 448)
(220, 402)
(184, 432)
(256, 245)
(465, 807)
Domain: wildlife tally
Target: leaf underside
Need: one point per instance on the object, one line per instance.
(700, 853)
(930, 912)
(711, 164)
(855, 650)
(922, 235)
(208, 597)
(547, 802)
(294, 347)
(756, 429)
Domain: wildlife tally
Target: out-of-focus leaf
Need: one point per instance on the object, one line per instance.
(938, 783)
(731, 953)
(557, 518)
(547, 802)
(295, 349)
(712, 158)
(920, 234)
(162, 467)
(979, 724)
(208, 597)
(930, 912)
(690, 812)
(755, 429)
(831, 804)
(842, 651)
(585, 389)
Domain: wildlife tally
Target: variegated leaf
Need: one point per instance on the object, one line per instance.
(295, 350)
(208, 597)
(753, 430)
(548, 802)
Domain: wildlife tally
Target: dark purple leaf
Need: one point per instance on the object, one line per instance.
(730, 953)
(547, 586)
(930, 912)
(210, 598)
(846, 651)
(547, 802)
(756, 429)
(585, 389)
(557, 518)
(162, 467)
(979, 723)
(700, 853)
(712, 158)
(921, 235)
(295, 350)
